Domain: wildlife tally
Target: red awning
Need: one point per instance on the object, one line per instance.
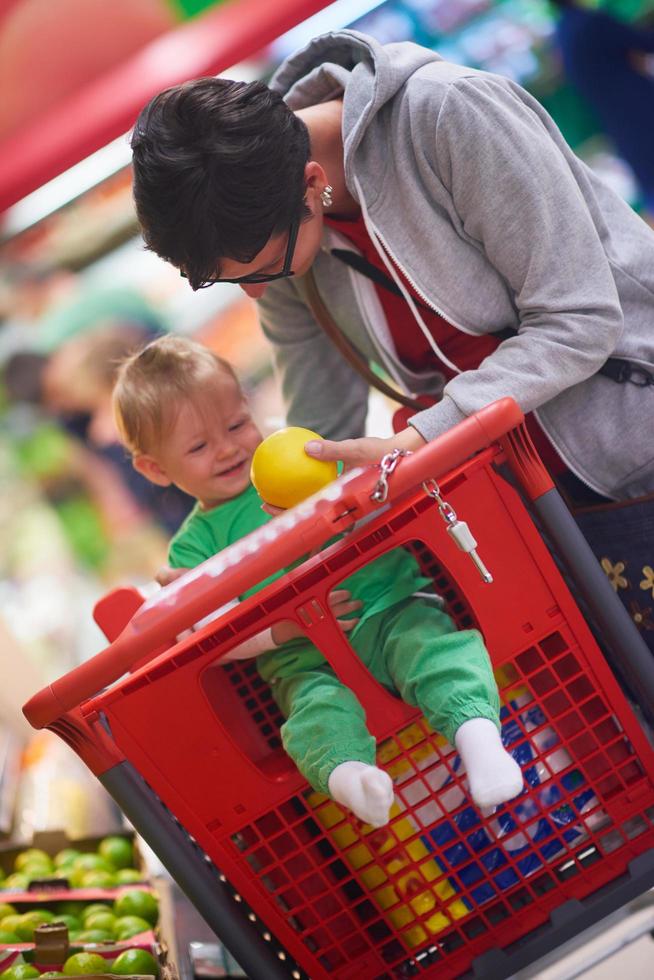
(107, 108)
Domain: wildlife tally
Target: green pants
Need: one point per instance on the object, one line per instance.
(414, 650)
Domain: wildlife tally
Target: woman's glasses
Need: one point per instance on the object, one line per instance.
(259, 277)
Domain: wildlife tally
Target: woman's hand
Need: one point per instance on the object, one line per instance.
(363, 452)
(341, 604)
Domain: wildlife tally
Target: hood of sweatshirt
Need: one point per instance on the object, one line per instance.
(367, 74)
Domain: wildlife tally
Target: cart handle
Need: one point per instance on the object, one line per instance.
(276, 545)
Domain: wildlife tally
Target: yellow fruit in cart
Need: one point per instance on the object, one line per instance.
(138, 902)
(6, 909)
(281, 471)
(80, 963)
(21, 971)
(33, 855)
(130, 925)
(135, 961)
(117, 851)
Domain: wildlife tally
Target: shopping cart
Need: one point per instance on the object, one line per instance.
(294, 885)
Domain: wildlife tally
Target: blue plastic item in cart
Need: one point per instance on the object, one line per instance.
(512, 854)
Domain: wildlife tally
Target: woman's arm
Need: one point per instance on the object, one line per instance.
(509, 175)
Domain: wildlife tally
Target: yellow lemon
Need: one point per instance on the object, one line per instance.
(283, 474)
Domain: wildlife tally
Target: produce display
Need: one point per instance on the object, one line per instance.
(132, 913)
(129, 962)
(111, 866)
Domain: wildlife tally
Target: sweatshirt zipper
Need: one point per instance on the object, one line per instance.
(386, 254)
(385, 360)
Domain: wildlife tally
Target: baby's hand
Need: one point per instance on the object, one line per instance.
(166, 574)
(341, 604)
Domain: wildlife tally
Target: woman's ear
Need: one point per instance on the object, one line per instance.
(148, 467)
(315, 180)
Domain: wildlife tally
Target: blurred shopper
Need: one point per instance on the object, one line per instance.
(605, 60)
(73, 384)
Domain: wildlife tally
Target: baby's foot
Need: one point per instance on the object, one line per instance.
(493, 775)
(365, 790)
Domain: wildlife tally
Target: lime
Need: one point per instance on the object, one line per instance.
(66, 857)
(94, 936)
(35, 869)
(21, 971)
(29, 921)
(100, 920)
(127, 876)
(8, 938)
(72, 922)
(91, 862)
(31, 855)
(97, 879)
(11, 922)
(94, 907)
(71, 908)
(39, 915)
(80, 963)
(6, 909)
(130, 925)
(17, 882)
(137, 902)
(137, 961)
(281, 471)
(117, 851)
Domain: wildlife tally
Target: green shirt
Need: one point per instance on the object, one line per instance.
(379, 585)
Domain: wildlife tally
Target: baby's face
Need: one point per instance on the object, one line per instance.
(208, 451)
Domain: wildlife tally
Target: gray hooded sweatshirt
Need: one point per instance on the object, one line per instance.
(467, 185)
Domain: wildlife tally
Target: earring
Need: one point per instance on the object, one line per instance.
(326, 196)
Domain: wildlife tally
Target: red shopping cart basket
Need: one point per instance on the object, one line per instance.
(294, 885)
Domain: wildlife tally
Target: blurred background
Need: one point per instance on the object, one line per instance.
(77, 289)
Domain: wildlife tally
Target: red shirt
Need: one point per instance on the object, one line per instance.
(413, 348)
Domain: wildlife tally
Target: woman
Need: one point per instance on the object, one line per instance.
(518, 271)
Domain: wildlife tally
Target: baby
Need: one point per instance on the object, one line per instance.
(183, 416)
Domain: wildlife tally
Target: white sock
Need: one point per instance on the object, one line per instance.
(365, 790)
(493, 775)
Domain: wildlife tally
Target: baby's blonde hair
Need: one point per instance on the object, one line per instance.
(151, 383)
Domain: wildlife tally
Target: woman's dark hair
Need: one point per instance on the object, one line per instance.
(218, 170)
